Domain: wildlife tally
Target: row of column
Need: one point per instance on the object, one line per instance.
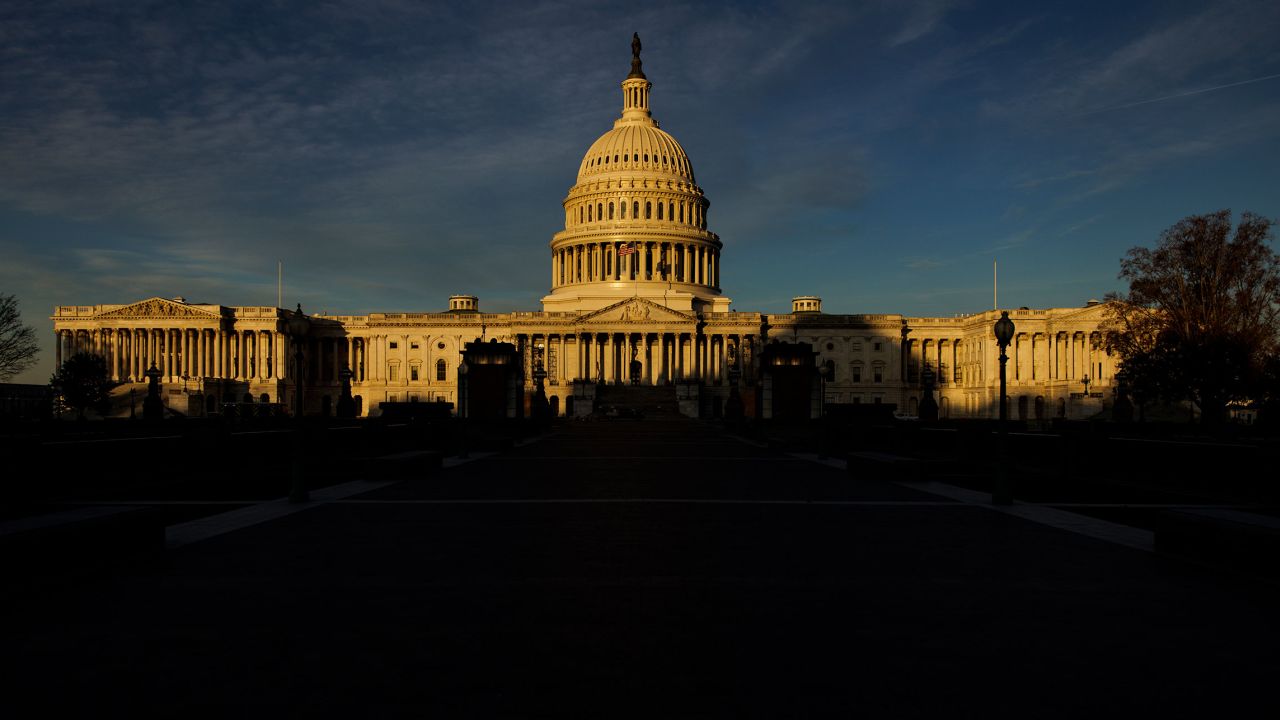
(176, 352)
(941, 354)
(663, 357)
(601, 262)
(1036, 357)
(691, 213)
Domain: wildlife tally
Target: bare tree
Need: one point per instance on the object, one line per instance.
(17, 341)
(1199, 320)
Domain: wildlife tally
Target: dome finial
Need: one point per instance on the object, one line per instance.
(636, 72)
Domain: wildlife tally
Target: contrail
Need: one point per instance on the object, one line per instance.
(1179, 95)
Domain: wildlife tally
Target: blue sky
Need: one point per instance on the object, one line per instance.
(879, 154)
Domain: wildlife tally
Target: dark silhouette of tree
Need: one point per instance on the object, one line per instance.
(82, 383)
(1199, 320)
(17, 341)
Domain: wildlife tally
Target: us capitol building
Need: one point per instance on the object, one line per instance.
(635, 298)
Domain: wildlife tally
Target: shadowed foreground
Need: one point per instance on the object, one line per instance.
(628, 568)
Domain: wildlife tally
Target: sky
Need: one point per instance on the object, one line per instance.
(391, 153)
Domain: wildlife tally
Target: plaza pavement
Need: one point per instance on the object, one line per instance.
(654, 568)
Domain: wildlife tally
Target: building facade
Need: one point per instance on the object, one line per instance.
(635, 298)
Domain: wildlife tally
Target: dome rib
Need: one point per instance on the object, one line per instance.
(638, 148)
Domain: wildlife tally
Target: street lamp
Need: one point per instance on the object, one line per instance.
(463, 369)
(152, 405)
(826, 373)
(1084, 379)
(1001, 494)
(928, 410)
(541, 408)
(299, 326)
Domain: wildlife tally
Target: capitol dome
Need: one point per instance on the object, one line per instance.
(635, 222)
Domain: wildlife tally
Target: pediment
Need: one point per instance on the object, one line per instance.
(636, 310)
(1090, 312)
(158, 307)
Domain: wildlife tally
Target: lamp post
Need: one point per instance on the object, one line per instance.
(462, 402)
(299, 326)
(1002, 494)
(825, 375)
(928, 410)
(346, 403)
(152, 405)
(541, 408)
(1084, 379)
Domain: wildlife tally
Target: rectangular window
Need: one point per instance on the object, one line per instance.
(857, 373)
(879, 375)
(394, 344)
(877, 347)
(413, 373)
(393, 397)
(413, 397)
(857, 346)
(393, 373)
(413, 346)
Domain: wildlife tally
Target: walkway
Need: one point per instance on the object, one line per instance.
(656, 569)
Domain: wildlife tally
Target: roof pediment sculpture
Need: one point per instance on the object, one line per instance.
(636, 310)
(158, 307)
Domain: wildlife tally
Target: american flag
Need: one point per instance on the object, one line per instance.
(627, 249)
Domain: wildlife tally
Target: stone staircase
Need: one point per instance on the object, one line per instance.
(652, 400)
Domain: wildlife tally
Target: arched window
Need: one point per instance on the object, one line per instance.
(610, 211)
(648, 210)
(659, 211)
(646, 157)
(615, 158)
(681, 212)
(441, 369)
(579, 215)
(622, 209)
(588, 213)
(635, 210)
(671, 211)
(599, 211)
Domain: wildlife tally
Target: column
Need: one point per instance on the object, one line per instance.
(695, 356)
(279, 355)
(718, 358)
(608, 356)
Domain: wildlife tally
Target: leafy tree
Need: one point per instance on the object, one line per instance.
(17, 341)
(82, 383)
(1199, 320)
